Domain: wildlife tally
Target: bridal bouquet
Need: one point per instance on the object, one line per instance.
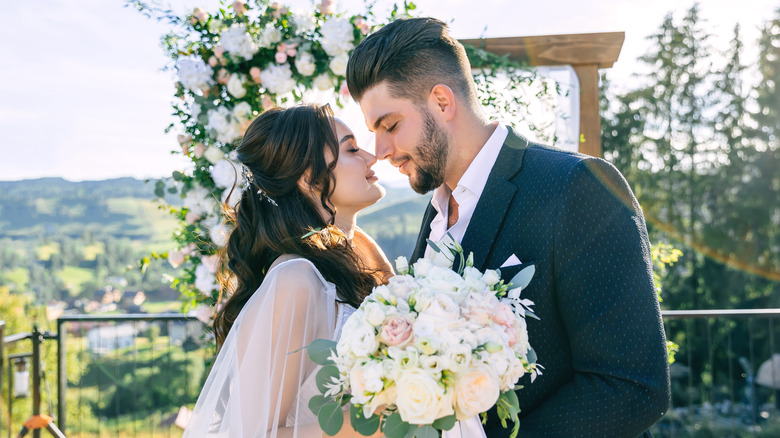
(431, 347)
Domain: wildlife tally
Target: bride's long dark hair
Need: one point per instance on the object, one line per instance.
(281, 148)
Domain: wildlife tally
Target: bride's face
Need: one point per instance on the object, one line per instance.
(356, 185)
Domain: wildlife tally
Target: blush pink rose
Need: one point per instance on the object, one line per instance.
(200, 148)
(219, 51)
(223, 76)
(239, 6)
(213, 61)
(504, 315)
(396, 331)
(280, 57)
(267, 102)
(254, 72)
(327, 7)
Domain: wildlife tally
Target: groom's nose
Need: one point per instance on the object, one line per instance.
(383, 148)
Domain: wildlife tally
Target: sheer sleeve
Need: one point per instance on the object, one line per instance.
(261, 381)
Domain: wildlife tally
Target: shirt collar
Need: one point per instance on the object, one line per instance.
(476, 175)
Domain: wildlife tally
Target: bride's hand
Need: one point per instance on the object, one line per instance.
(348, 432)
(372, 255)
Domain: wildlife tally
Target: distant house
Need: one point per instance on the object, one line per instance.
(132, 299)
(105, 339)
(107, 295)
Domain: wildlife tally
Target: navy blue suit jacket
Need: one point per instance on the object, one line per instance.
(600, 335)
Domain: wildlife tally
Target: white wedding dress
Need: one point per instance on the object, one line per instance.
(262, 380)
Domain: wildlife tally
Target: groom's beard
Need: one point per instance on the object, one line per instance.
(431, 156)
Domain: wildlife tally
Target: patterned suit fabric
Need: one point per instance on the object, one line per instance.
(600, 335)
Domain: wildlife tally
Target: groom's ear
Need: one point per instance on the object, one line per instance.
(442, 101)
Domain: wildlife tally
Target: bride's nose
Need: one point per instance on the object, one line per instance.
(369, 158)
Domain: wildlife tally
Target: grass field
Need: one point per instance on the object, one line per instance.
(74, 277)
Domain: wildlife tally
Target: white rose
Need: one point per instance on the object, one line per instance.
(215, 25)
(198, 201)
(400, 286)
(270, 36)
(219, 234)
(195, 110)
(222, 123)
(235, 86)
(373, 373)
(402, 265)
(521, 344)
(214, 154)
(444, 281)
(338, 65)
(224, 173)
(384, 398)
(422, 267)
(491, 277)
(363, 341)
(475, 392)
(195, 74)
(374, 314)
(458, 357)
(323, 82)
(304, 20)
(242, 111)
(420, 399)
(304, 63)
(278, 79)
(508, 380)
(204, 279)
(236, 41)
(337, 36)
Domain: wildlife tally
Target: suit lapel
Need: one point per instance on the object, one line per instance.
(493, 204)
(425, 231)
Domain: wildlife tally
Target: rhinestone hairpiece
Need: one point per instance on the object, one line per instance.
(248, 179)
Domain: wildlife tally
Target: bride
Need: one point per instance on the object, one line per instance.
(297, 267)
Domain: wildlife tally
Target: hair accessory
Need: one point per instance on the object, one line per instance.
(248, 179)
(263, 195)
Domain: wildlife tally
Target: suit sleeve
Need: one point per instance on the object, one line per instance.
(608, 304)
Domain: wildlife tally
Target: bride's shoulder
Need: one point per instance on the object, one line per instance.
(291, 272)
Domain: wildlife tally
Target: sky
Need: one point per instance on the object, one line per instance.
(83, 95)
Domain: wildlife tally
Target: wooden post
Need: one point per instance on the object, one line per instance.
(586, 53)
(590, 119)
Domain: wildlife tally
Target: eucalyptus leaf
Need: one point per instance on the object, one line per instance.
(532, 315)
(395, 427)
(433, 245)
(331, 418)
(320, 350)
(361, 424)
(445, 423)
(426, 431)
(523, 278)
(317, 402)
(325, 376)
(531, 355)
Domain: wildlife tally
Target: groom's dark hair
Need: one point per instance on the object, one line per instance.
(412, 55)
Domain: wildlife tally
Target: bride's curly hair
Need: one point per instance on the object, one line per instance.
(281, 148)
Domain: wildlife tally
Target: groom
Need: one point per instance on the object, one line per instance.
(513, 203)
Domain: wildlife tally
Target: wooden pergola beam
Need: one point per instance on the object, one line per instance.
(586, 53)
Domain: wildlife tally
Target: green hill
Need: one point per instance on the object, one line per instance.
(61, 239)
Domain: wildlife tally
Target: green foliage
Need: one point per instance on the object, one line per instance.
(697, 142)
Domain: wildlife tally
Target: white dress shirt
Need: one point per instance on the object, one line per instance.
(468, 190)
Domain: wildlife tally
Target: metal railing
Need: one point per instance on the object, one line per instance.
(716, 390)
(716, 386)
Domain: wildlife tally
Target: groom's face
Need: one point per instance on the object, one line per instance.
(408, 136)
